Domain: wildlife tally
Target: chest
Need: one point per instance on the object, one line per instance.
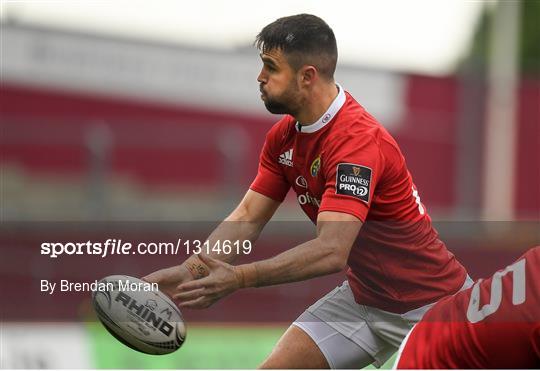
(302, 162)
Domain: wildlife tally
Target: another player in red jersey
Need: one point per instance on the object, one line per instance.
(351, 180)
(494, 324)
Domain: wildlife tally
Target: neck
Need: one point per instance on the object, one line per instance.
(317, 104)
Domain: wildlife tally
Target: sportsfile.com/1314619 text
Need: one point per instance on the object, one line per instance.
(119, 247)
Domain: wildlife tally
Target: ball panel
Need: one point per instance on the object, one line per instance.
(147, 321)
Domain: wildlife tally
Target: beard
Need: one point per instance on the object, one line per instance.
(276, 107)
(286, 103)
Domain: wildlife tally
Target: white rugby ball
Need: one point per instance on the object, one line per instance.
(138, 315)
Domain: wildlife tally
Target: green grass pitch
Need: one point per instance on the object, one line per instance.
(206, 347)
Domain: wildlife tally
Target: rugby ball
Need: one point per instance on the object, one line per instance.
(139, 315)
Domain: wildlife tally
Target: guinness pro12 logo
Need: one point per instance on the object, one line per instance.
(353, 180)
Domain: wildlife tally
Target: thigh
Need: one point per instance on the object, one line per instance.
(339, 351)
(295, 350)
(353, 322)
(332, 333)
(316, 346)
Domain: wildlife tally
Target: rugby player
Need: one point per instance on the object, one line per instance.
(494, 324)
(352, 181)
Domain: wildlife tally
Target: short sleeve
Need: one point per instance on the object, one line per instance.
(270, 180)
(352, 168)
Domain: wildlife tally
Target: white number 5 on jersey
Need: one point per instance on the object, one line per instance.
(476, 314)
(421, 209)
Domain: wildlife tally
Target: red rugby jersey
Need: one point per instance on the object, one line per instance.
(494, 324)
(347, 162)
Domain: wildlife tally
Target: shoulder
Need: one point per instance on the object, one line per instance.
(353, 128)
(533, 255)
(355, 123)
(532, 258)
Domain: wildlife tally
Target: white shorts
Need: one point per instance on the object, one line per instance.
(345, 330)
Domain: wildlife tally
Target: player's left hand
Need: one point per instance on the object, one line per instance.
(202, 293)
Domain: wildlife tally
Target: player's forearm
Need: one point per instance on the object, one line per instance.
(310, 259)
(235, 230)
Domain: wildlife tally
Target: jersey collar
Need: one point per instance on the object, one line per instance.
(336, 105)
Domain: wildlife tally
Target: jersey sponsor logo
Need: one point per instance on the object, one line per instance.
(307, 198)
(301, 182)
(353, 180)
(286, 158)
(315, 166)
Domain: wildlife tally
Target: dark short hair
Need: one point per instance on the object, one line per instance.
(304, 39)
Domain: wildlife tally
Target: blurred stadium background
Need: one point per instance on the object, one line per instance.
(110, 125)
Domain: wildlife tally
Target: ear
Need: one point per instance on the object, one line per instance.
(308, 75)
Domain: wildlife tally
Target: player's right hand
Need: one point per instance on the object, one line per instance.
(168, 279)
